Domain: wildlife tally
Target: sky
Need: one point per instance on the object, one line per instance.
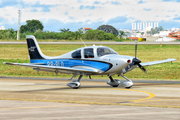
(74, 14)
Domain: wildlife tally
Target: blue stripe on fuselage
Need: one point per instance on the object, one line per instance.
(74, 62)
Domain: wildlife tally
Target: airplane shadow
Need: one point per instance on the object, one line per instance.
(138, 85)
(63, 88)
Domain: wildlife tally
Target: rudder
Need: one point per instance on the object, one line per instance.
(33, 48)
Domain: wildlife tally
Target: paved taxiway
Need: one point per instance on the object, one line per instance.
(52, 99)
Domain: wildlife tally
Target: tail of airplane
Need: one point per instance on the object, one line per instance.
(34, 49)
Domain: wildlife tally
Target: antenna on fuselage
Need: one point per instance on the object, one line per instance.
(83, 42)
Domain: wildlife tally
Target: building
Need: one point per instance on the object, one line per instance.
(145, 26)
(2, 28)
(155, 24)
(165, 39)
(175, 29)
(174, 35)
(84, 29)
(133, 38)
(164, 33)
(133, 26)
(140, 26)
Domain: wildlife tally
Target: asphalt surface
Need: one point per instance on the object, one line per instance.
(45, 99)
(25, 110)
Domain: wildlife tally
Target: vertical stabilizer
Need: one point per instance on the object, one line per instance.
(33, 48)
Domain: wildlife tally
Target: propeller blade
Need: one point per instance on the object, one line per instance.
(137, 62)
(142, 68)
(135, 49)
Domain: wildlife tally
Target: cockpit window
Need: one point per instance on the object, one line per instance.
(104, 51)
(76, 54)
(88, 53)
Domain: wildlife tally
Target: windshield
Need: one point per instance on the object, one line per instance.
(104, 51)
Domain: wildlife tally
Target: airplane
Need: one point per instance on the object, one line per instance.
(91, 60)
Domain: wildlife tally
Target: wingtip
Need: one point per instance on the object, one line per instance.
(172, 59)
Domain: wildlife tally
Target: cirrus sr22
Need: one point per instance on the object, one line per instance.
(91, 60)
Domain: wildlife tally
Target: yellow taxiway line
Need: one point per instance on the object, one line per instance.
(142, 99)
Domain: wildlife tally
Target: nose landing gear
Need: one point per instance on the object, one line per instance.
(115, 83)
(75, 84)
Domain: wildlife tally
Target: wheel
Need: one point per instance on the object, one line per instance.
(115, 85)
(75, 87)
(127, 87)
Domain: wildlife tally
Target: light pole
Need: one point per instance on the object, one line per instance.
(19, 18)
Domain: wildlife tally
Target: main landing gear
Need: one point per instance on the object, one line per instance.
(75, 84)
(112, 82)
(115, 83)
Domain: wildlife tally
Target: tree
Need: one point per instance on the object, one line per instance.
(153, 31)
(161, 28)
(65, 30)
(156, 30)
(98, 35)
(121, 33)
(108, 29)
(78, 34)
(31, 26)
(23, 29)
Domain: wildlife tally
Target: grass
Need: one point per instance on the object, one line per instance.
(146, 53)
(54, 40)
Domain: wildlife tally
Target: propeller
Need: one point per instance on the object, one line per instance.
(137, 61)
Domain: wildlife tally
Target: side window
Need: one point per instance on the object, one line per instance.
(104, 51)
(88, 53)
(76, 54)
(100, 52)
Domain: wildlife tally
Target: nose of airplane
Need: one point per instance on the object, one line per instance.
(136, 61)
(124, 61)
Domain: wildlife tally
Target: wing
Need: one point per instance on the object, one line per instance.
(157, 62)
(70, 70)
